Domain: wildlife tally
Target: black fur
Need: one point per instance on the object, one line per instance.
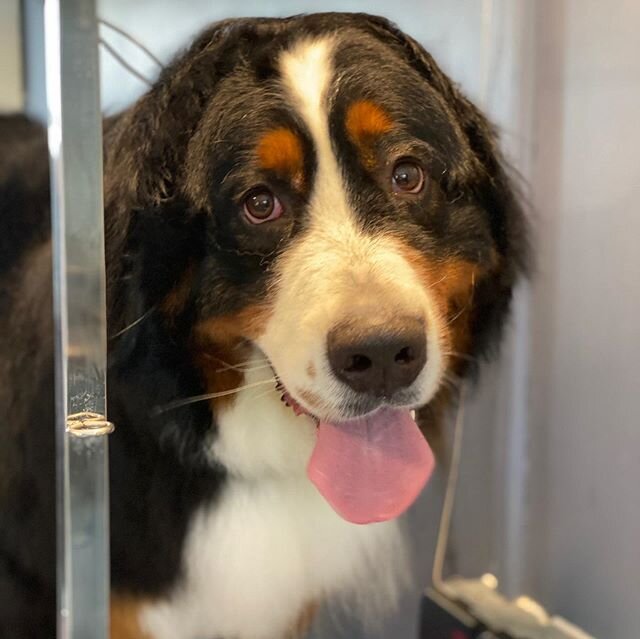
(168, 212)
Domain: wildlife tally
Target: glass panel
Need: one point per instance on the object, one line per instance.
(75, 146)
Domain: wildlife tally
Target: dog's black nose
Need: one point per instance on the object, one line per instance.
(378, 360)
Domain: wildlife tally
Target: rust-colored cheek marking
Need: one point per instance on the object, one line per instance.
(125, 616)
(280, 151)
(221, 348)
(451, 284)
(365, 121)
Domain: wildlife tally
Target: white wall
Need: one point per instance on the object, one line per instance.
(11, 95)
(450, 27)
(563, 494)
(585, 420)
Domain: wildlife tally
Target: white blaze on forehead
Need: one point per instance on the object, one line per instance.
(307, 72)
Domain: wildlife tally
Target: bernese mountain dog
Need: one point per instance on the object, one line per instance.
(310, 234)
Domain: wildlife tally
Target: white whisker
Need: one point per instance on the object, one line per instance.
(241, 365)
(134, 323)
(442, 279)
(200, 398)
(453, 381)
(263, 394)
(460, 356)
(458, 314)
(243, 369)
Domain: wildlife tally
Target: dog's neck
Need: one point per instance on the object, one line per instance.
(258, 435)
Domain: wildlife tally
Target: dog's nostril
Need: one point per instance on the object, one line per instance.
(404, 356)
(358, 364)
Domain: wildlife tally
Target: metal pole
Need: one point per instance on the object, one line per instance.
(75, 148)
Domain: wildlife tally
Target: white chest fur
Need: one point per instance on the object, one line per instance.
(271, 545)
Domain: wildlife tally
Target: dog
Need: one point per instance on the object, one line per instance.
(310, 232)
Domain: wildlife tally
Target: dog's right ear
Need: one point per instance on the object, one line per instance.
(146, 145)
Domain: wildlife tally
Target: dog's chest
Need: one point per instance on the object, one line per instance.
(260, 556)
(270, 545)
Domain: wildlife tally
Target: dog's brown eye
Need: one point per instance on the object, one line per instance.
(407, 177)
(261, 205)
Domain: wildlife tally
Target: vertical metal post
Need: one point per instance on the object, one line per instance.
(75, 148)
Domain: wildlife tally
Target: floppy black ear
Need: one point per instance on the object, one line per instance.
(146, 145)
(150, 361)
(158, 266)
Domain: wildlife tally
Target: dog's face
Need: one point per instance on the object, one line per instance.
(330, 172)
(353, 220)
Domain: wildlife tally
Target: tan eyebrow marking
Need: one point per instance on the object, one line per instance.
(364, 122)
(366, 119)
(280, 151)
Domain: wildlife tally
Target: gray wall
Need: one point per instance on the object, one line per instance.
(585, 420)
(558, 490)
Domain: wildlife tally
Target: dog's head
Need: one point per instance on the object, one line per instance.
(317, 189)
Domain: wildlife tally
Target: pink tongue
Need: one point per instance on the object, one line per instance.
(373, 468)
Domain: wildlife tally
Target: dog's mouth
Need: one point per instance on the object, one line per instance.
(371, 468)
(289, 400)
